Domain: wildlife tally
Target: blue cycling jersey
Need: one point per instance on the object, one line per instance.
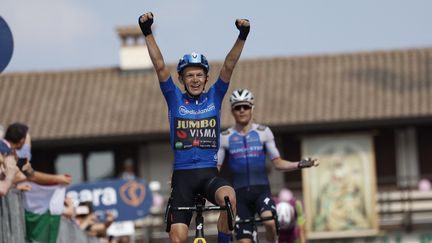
(247, 155)
(194, 125)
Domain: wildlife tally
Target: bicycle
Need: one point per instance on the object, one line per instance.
(255, 220)
(199, 208)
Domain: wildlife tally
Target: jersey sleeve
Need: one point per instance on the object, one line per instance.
(222, 147)
(169, 91)
(219, 90)
(221, 156)
(270, 144)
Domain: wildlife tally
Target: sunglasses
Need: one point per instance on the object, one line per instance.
(244, 107)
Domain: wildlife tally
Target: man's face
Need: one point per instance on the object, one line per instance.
(242, 113)
(194, 80)
(20, 144)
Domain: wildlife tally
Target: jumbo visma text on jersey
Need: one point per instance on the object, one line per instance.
(200, 133)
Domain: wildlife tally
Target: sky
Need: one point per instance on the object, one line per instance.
(51, 35)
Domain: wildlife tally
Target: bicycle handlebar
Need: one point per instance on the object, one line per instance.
(206, 208)
(261, 219)
(255, 219)
(200, 208)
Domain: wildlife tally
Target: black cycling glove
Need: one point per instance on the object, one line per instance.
(244, 30)
(305, 163)
(146, 25)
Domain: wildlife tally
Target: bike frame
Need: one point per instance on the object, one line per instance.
(255, 220)
(199, 209)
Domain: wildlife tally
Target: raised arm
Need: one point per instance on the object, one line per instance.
(145, 21)
(233, 56)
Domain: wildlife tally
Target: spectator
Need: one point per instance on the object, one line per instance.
(17, 141)
(8, 171)
(87, 220)
(128, 172)
(424, 185)
(14, 138)
(69, 208)
(290, 217)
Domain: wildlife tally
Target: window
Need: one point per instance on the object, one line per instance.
(70, 164)
(97, 166)
(100, 165)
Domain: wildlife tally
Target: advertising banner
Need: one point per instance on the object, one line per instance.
(126, 199)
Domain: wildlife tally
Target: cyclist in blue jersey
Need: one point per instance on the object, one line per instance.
(194, 128)
(247, 144)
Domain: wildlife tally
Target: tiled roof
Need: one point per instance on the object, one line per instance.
(289, 91)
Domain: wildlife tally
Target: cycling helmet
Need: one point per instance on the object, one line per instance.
(193, 59)
(285, 195)
(241, 96)
(286, 215)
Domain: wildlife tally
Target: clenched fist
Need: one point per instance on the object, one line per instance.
(243, 26)
(145, 21)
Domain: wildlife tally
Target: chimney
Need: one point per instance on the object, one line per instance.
(133, 51)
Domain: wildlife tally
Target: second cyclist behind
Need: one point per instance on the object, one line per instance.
(247, 144)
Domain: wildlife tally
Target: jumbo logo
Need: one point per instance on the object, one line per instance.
(190, 124)
(132, 193)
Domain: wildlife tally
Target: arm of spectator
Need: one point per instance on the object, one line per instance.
(69, 209)
(19, 177)
(42, 178)
(10, 170)
(99, 229)
(87, 223)
(109, 219)
(24, 187)
(24, 173)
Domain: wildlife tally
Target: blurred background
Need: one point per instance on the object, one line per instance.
(347, 81)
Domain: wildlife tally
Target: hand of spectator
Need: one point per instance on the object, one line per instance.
(69, 209)
(27, 169)
(24, 187)
(88, 221)
(11, 169)
(64, 179)
(109, 217)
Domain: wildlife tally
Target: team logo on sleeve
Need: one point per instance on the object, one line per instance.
(200, 133)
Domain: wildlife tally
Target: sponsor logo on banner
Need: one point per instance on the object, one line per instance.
(126, 199)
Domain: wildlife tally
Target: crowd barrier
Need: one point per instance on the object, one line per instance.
(12, 224)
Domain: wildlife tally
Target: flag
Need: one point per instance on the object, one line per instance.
(43, 208)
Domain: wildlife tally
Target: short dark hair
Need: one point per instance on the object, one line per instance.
(15, 132)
